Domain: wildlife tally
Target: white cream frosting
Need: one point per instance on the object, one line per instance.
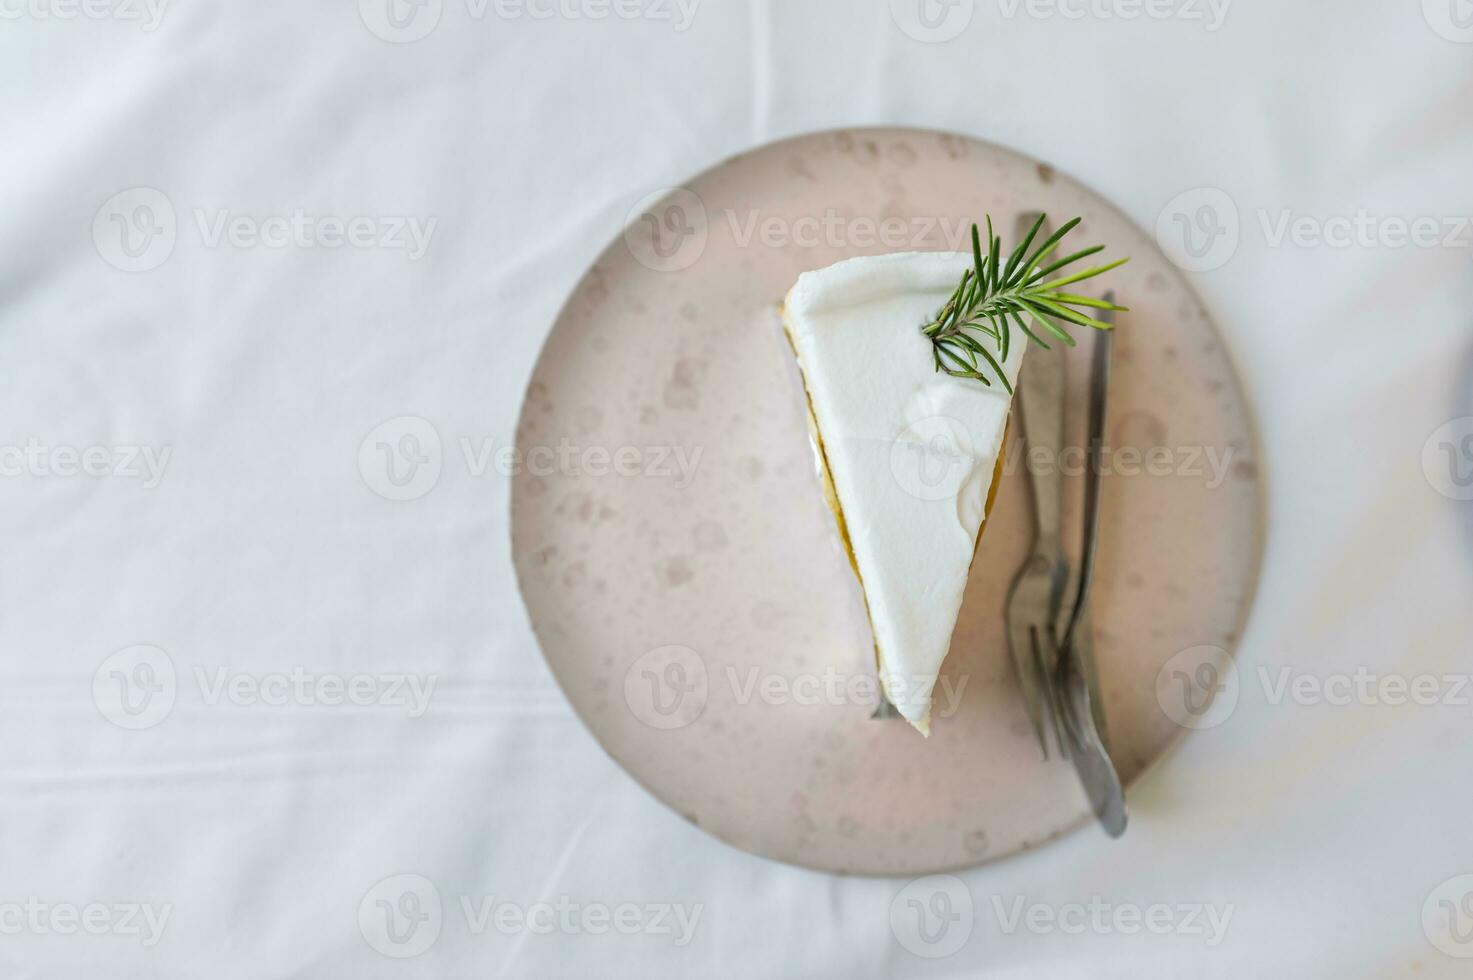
(911, 451)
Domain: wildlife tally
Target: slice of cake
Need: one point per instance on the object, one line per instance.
(909, 455)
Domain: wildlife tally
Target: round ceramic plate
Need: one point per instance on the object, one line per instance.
(684, 576)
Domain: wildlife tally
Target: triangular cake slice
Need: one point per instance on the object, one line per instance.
(908, 455)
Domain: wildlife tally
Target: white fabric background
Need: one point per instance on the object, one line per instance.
(1326, 828)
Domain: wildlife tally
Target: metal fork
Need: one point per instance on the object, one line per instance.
(1037, 592)
(1077, 680)
(1052, 643)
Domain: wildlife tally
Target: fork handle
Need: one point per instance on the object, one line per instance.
(1043, 425)
(1041, 399)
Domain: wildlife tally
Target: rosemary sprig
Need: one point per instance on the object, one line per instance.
(972, 333)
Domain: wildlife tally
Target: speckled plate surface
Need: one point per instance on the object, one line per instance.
(683, 573)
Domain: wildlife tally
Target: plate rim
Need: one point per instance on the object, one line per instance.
(1262, 499)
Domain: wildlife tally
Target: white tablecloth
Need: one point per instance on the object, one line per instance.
(194, 567)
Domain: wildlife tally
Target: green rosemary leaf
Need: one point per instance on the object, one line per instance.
(966, 370)
(1045, 318)
(1095, 304)
(1073, 316)
(1015, 263)
(968, 341)
(1001, 374)
(973, 328)
(1028, 333)
(995, 256)
(977, 259)
(1049, 270)
(1053, 242)
(1098, 270)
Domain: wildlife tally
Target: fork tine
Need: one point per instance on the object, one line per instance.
(1056, 698)
(1049, 668)
(1031, 679)
(1045, 705)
